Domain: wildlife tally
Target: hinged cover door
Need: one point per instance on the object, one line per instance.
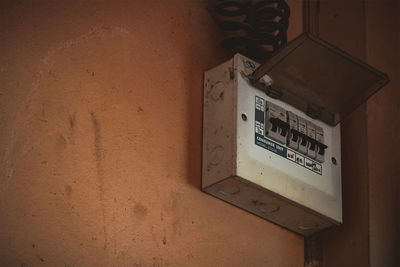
(318, 78)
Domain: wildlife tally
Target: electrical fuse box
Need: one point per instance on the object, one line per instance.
(271, 132)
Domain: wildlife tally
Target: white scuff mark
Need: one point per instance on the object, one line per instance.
(98, 32)
(24, 114)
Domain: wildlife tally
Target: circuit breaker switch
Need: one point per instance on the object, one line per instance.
(311, 151)
(283, 126)
(303, 143)
(294, 137)
(319, 137)
(274, 126)
(293, 140)
(276, 123)
(312, 145)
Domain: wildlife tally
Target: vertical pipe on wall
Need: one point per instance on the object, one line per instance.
(311, 16)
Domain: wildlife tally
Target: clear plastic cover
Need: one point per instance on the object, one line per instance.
(320, 79)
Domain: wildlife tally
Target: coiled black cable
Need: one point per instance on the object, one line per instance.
(256, 29)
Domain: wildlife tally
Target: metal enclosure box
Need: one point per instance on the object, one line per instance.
(271, 132)
(244, 167)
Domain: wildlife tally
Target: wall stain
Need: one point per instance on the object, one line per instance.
(72, 121)
(68, 189)
(179, 212)
(98, 150)
(40, 258)
(39, 118)
(61, 143)
(114, 234)
(98, 153)
(140, 211)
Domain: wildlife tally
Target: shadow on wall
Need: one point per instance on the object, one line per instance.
(199, 56)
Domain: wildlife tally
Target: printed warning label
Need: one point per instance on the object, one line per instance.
(299, 159)
(291, 155)
(276, 148)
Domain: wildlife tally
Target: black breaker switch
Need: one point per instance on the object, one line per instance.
(277, 128)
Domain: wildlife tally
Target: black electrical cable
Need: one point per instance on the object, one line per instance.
(256, 29)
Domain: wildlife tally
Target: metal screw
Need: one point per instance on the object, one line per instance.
(244, 117)
(334, 160)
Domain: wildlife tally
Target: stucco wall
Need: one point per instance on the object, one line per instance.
(100, 137)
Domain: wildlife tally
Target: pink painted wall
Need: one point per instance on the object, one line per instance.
(100, 137)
